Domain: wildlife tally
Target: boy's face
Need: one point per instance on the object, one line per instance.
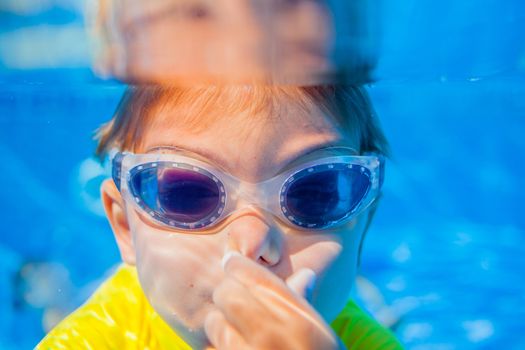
(180, 271)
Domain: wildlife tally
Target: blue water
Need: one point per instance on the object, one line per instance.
(447, 248)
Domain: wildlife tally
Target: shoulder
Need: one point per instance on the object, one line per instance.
(359, 331)
(116, 316)
(110, 319)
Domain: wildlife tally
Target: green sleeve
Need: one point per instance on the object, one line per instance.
(358, 331)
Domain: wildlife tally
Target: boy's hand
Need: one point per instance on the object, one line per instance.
(257, 310)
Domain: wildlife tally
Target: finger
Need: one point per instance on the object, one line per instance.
(250, 273)
(239, 307)
(302, 282)
(220, 334)
(266, 287)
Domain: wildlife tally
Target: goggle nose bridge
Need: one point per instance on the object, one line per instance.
(250, 194)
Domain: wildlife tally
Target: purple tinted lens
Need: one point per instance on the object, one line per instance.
(326, 196)
(176, 194)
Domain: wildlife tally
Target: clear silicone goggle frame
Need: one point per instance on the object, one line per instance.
(235, 194)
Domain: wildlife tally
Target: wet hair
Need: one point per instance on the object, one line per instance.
(349, 105)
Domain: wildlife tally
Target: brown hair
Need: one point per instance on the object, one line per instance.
(349, 105)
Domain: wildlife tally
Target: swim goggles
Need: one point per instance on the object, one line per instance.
(183, 193)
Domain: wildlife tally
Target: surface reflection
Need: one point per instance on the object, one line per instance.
(241, 41)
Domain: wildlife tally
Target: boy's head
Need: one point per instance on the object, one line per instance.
(252, 134)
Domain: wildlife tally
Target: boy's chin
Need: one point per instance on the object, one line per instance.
(194, 336)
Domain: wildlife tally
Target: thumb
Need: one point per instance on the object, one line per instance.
(302, 282)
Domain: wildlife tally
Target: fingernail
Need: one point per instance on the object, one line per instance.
(228, 256)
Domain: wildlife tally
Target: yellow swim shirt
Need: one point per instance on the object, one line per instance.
(118, 316)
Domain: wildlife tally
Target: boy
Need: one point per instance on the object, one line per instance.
(241, 211)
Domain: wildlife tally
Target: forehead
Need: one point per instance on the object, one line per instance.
(250, 131)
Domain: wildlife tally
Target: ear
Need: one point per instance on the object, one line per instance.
(116, 214)
(370, 213)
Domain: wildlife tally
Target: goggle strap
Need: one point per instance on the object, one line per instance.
(116, 171)
(381, 171)
(382, 161)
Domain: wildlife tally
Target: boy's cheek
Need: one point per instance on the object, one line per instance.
(315, 252)
(187, 261)
(322, 249)
(188, 258)
(334, 286)
(178, 274)
(334, 290)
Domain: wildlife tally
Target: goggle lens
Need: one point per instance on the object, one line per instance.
(318, 197)
(178, 196)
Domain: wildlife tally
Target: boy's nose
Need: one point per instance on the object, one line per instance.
(254, 238)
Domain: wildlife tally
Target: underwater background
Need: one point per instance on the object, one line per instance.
(443, 263)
